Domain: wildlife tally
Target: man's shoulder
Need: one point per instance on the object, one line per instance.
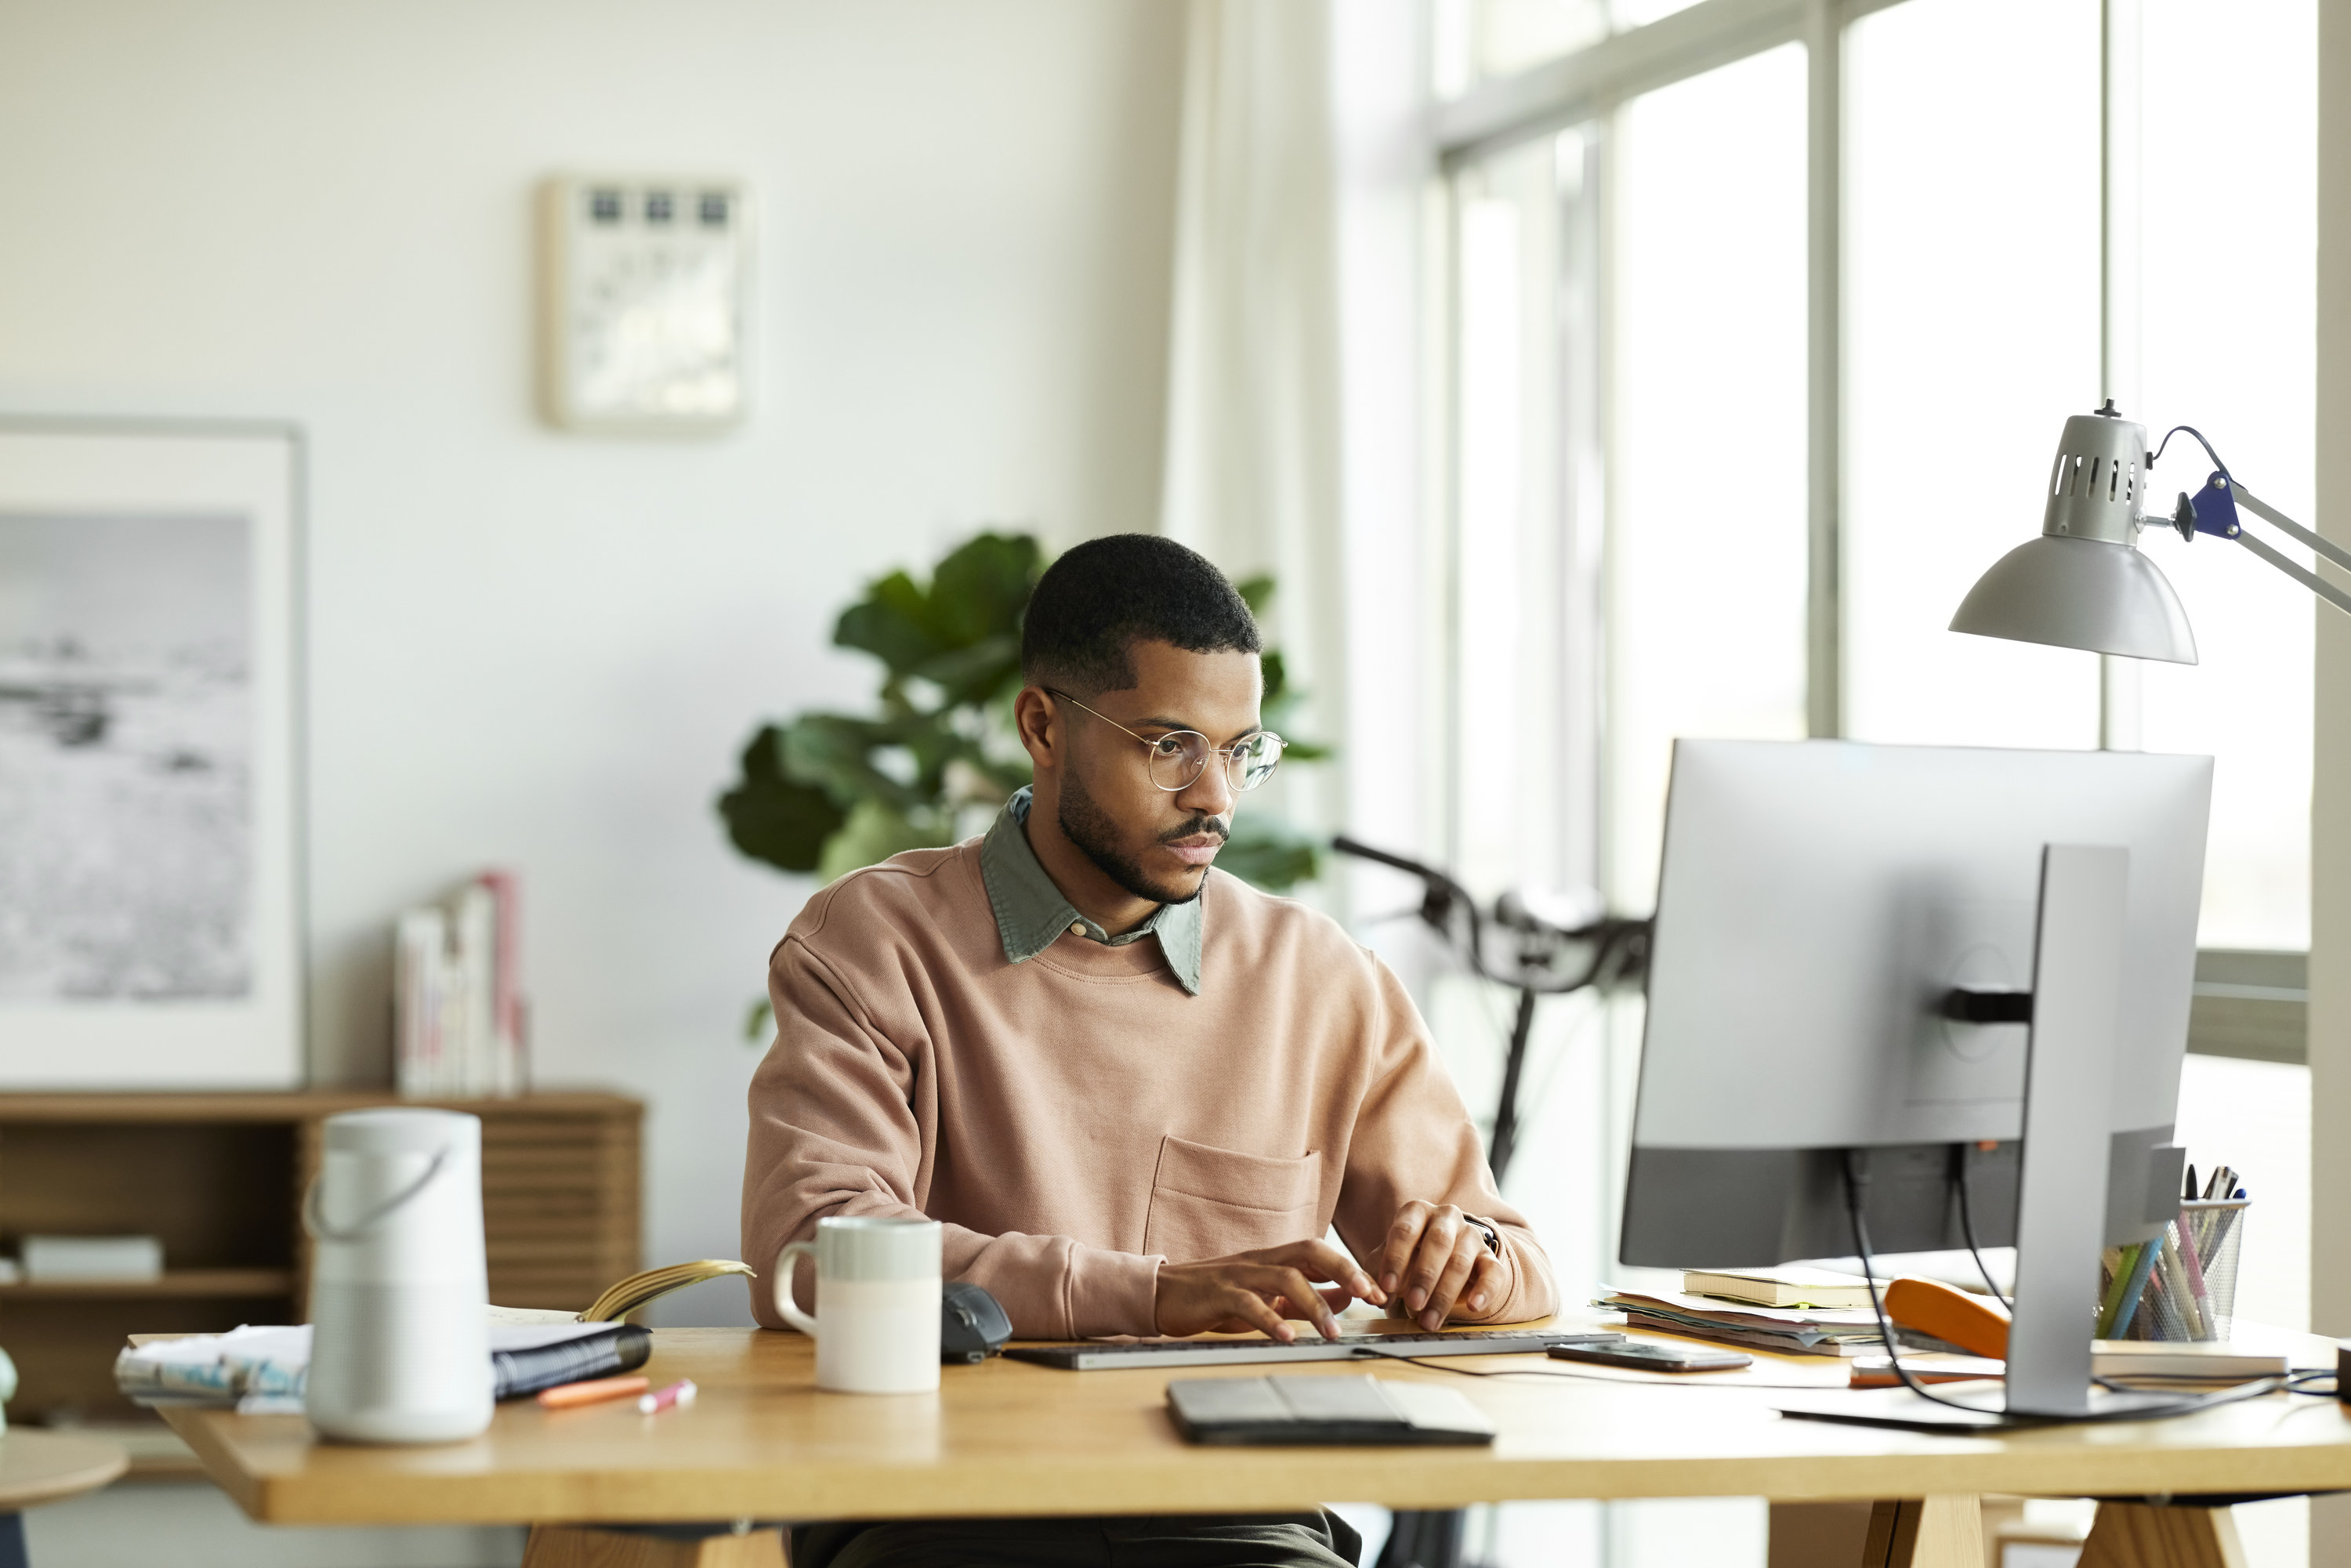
(910, 889)
(1270, 924)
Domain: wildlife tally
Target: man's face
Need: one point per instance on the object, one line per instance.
(1157, 843)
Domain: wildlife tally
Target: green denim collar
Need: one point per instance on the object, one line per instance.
(1031, 913)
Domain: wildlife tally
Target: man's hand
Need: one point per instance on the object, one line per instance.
(1259, 1290)
(1434, 1258)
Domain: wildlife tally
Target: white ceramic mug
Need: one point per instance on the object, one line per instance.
(877, 1302)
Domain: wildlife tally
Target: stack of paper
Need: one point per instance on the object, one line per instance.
(1790, 1331)
(457, 1008)
(263, 1371)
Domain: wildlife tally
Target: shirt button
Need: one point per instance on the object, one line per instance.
(1077, 928)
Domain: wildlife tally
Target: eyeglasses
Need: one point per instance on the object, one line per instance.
(1180, 756)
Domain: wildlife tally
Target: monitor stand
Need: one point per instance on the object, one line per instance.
(2060, 1209)
(2061, 1212)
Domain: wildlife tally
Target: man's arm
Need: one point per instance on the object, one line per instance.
(833, 1130)
(1416, 1181)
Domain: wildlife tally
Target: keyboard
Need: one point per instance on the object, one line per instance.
(1094, 1355)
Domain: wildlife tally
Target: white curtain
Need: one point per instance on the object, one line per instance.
(1252, 476)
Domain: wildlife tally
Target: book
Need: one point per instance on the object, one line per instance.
(459, 1020)
(2205, 1360)
(626, 1296)
(1779, 1287)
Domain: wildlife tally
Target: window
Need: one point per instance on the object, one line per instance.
(1651, 533)
(1706, 536)
(1972, 330)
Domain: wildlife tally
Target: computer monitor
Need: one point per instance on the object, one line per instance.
(1819, 903)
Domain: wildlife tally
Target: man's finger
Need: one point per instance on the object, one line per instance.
(1255, 1311)
(1404, 1236)
(1484, 1292)
(1449, 1282)
(1438, 1243)
(1297, 1291)
(1321, 1260)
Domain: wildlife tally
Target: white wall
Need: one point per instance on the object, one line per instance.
(541, 650)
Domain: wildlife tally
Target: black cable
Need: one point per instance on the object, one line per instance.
(2207, 445)
(1856, 1178)
(1968, 1223)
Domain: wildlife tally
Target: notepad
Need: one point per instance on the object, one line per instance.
(1323, 1410)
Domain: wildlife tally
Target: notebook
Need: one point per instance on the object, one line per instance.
(1323, 1410)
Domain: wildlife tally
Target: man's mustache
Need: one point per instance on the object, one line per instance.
(1197, 826)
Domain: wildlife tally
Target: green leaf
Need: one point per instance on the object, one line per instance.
(1268, 852)
(980, 589)
(1257, 592)
(757, 1021)
(834, 752)
(891, 622)
(775, 818)
(872, 834)
(977, 672)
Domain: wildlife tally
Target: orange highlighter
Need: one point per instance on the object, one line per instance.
(593, 1392)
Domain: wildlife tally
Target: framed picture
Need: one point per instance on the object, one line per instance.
(151, 920)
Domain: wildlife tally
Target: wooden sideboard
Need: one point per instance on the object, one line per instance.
(220, 1178)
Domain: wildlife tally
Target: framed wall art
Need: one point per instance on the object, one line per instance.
(150, 919)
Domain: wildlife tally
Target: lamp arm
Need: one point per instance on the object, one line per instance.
(2326, 548)
(2289, 528)
(2310, 580)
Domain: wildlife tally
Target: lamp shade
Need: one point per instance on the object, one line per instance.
(2083, 583)
(2072, 592)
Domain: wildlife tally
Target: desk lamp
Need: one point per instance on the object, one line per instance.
(2083, 583)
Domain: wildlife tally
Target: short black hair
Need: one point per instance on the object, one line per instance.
(1101, 597)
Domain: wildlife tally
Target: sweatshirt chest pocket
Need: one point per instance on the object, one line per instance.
(1210, 1202)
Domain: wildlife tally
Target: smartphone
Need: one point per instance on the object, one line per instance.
(1654, 1357)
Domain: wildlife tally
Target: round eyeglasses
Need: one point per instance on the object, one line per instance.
(1178, 758)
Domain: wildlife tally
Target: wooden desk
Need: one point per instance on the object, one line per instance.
(1008, 1438)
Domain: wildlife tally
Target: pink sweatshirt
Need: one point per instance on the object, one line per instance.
(1078, 1119)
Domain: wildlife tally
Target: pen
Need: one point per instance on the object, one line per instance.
(592, 1392)
(681, 1392)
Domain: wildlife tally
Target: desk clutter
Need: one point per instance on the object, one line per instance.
(2182, 1286)
(1784, 1330)
(265, 1371)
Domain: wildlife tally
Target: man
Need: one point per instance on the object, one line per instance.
(1136, 1091)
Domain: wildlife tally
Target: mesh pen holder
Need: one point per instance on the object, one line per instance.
(2182, 1286)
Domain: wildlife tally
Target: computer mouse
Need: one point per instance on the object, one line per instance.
(972, 1324)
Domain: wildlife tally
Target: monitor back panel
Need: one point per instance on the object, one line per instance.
(1816, 903)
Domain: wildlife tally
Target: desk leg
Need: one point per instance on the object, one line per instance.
(1925, 1532)
(650, 1546)
(2137, 1535)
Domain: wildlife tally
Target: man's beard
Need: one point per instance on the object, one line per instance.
(1085, 824)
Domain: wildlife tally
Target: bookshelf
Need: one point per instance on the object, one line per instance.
(220, 1177)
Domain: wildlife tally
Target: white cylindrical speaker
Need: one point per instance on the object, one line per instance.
(399, 1283)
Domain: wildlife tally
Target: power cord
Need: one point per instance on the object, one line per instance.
(1857, 1184)
(1967, 1223)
